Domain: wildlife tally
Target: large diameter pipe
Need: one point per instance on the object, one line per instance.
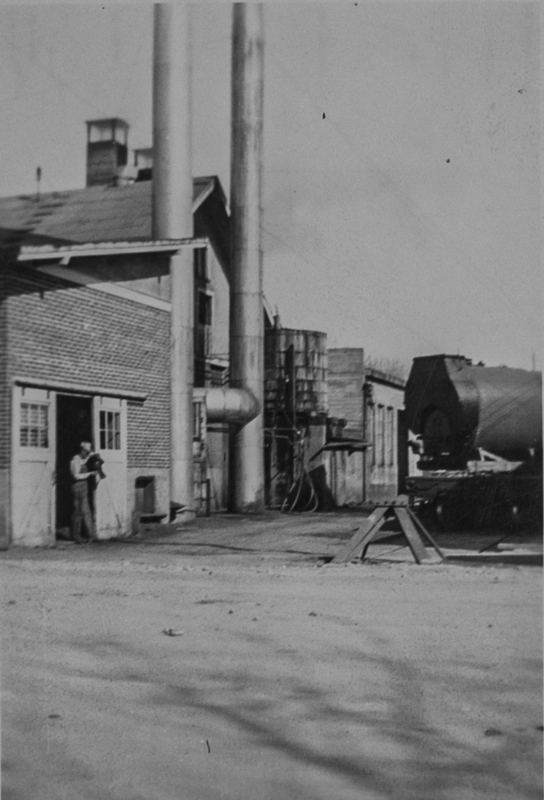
(246, 306)
(173, 219)
(228, 405)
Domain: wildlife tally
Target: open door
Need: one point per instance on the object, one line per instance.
(74, 425)
(110, 440)
(33, 447)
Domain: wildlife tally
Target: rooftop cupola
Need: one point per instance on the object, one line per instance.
(107, 151)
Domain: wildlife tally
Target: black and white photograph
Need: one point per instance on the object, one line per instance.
(271, 400)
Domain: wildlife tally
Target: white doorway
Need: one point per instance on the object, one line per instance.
(110, 440)
(33, 475)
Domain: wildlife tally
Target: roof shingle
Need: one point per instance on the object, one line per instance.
(93, 214)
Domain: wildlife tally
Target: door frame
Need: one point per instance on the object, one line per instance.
(46, 392)
(113, 457)
(20, 455)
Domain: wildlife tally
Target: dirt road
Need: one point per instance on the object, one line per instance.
(287, 681)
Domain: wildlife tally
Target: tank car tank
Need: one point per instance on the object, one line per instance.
(478, 432)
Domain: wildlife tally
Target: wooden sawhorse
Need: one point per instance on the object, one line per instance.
(410, 527)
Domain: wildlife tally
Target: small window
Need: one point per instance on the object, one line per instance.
(200, 260)
(371, 433)
(197, 422)
(379, 440)
(34, 425)
(204, 309)
(110, 430)
(390, 436)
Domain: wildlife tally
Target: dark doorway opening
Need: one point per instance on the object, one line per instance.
(74, 425)
(145, 495)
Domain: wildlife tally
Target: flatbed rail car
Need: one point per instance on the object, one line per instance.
(478, 433)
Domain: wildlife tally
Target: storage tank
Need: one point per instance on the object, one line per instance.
(296, 371)
(457, 407)
(296, 405)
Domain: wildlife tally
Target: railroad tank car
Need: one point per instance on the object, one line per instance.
(478, 432)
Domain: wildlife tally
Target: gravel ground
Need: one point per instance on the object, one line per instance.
(285, 680)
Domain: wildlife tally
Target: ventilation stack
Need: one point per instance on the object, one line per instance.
(173, 219)
(246, 306)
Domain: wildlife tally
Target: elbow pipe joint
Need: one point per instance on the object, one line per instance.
(229, 405)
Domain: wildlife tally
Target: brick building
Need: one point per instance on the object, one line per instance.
(84, 324)
(371, 402)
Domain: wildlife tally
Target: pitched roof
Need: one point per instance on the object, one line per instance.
(93, 214)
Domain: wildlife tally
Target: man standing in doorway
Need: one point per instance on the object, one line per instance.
(80, 493)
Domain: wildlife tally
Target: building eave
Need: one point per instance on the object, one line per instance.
(64, 253)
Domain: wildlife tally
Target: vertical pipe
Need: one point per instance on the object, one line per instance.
(246, 307)
(365, 439)
(172, 219)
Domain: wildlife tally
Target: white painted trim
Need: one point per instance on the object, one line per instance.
(18, 480)
(197, 202)
(100, 249)
(75, 276)
(78, 388)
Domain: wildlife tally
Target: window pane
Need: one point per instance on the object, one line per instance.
(117, 431)
(112, 430)
(34, 425)
(380, 437)
(390, 412)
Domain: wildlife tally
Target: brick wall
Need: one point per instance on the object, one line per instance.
(5, 441)
(62, 332)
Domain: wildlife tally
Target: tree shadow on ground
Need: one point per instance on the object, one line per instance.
(375, 737)
(356, 715)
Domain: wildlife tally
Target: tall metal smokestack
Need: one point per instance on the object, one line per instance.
(173, 219)
(246, 307)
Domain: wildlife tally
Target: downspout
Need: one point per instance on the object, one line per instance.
(172, 194)
(246, 306)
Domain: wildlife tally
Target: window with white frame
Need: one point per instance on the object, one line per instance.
(34, 425)
(110, 430)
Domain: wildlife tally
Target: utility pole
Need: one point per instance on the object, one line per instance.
(173, 219)
(38, 181)
(246, 307)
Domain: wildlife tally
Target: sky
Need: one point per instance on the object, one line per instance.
(401, 154)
